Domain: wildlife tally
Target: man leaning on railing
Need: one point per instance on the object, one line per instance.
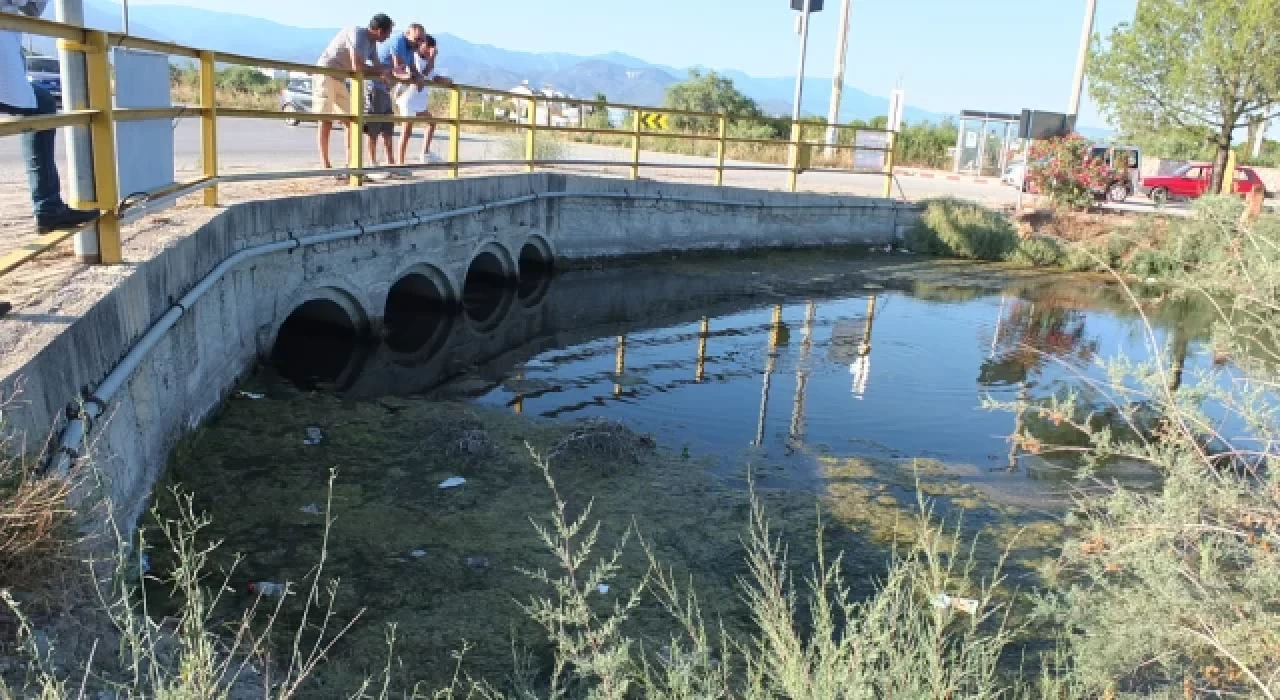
(353, 49)
(18, 97)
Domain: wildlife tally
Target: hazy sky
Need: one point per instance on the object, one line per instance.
(997, 55)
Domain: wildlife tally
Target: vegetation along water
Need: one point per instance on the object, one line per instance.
(833, 474)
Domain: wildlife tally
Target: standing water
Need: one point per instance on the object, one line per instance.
(656, 393)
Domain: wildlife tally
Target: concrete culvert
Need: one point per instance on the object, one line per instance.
(319, 343)
(416, 311)
(534, 261)
(486, 295)
(487, 267)
(535, 274)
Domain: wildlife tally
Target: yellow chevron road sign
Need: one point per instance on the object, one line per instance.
(654, 120)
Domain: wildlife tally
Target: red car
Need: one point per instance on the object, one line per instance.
(1192, 180)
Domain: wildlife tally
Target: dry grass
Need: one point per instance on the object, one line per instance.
(184, 94)
(34, 513)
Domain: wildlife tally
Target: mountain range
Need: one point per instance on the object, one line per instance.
(623, 78)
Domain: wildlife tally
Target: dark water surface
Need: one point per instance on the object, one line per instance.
(847, 383)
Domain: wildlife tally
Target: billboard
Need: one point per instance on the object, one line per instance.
(1039, 126)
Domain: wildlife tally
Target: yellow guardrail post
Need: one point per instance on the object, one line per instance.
(635, 144)
(209, 125)
(103, 132)
(793, 158)
(355, 131)
(455, 128)
(888, 165)
(530, 137)
(723, 129)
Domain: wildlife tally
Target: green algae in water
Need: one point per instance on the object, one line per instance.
(442, 564)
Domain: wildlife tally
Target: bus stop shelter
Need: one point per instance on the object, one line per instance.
(984, 141)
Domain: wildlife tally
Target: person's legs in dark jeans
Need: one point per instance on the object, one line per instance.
(38, 150)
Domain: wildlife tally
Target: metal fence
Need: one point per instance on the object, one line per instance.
(642, 123)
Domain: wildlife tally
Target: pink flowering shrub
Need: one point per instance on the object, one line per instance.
(1062, 170)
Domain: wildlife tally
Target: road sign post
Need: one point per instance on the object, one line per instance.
(805, 7)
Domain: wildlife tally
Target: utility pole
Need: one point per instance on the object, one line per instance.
(75, 95)
(1259, 138)
(804, 47)
(1086, 36)
(837, 80)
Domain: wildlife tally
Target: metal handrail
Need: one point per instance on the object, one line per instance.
(101, 115)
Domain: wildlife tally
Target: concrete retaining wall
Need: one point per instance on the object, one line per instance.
(197, 362)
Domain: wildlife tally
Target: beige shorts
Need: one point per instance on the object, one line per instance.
(329, 95)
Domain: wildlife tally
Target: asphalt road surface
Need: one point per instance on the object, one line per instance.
(247, 145)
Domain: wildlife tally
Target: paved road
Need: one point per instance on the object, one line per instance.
(245, 145)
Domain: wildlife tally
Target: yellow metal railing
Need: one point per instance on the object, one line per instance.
(100, 116)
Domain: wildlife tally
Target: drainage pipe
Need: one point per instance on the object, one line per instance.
(80, 421)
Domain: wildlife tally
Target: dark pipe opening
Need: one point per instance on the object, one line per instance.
(534, 262)
(415, 312)
(535, 274)
(317, 344)
(487, 288)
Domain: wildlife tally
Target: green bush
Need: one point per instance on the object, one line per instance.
(1037, 251)
(962, 229)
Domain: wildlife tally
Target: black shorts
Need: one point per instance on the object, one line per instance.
(379, 128)
(377, 101)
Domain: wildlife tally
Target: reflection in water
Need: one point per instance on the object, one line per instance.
(861, 367)
(1031, 334)
(796, 435)
(700, 372)
(776, 336)
(593, 347)
(619, 365)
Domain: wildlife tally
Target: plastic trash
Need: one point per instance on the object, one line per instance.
(477, 563)
(314, 436)
(452, 482)
(252, 396)
(603, 588)
(418, 553)
(267, 589)
(312, 509)
(964, 605)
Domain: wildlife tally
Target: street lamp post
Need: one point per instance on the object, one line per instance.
(837, 80)
(804, 47)
(124, 16)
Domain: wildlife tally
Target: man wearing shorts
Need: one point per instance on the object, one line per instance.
(377, 101)
(412, 100)
(353, 49)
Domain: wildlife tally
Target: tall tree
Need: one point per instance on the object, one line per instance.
(1191, 66)
(708, 92)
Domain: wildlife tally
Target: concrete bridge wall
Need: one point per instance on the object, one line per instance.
(193, 365)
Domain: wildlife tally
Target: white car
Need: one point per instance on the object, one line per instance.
(1013, 173)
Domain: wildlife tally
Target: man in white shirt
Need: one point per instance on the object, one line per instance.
(353, 49)
(413, 99)
(18, 97)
